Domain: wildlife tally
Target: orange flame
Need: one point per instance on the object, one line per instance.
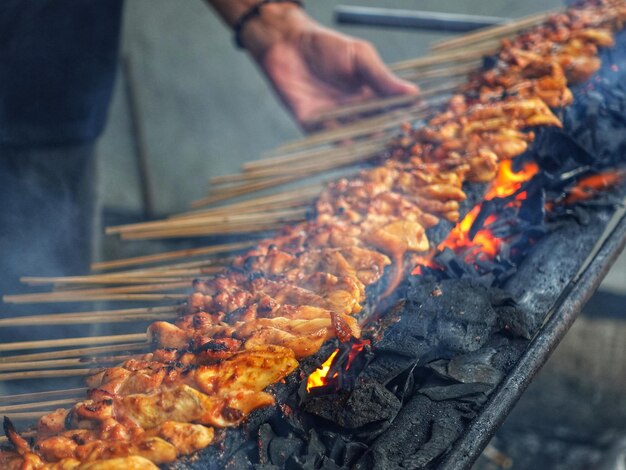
(319, 377)
(507, 182)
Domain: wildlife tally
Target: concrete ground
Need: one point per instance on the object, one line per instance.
(204, 109)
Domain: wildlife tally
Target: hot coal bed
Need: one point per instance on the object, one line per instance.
(457, 350)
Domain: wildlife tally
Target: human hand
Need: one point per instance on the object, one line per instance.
(315, 69)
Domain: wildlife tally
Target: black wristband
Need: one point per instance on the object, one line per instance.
(253, 12)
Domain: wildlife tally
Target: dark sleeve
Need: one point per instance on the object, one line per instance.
(57, 67)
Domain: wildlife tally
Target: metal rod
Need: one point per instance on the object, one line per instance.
(413, 19)
(566, 310)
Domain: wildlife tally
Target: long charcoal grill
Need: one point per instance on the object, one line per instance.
(553, 283)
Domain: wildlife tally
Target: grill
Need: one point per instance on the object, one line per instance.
(445, 357)
(354, 419)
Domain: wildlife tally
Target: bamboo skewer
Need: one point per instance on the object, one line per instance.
(29, 415)
(58, 343)
(492, 32)
(75, 283)
(210, 265)
(206, 231)
(50, 319)
(35, 405)
(393, 101)
(363, 127)
(27, 298)
(318, 163)
(177, 275)
(25, 397)
(251, 207)
(52, 364)
(172, 273)
(380, 125)
(97, 294)
(68, 353)
(306, 152)
(302, 195)
(229, 194)
(46, 374)
(454, 71)
(178, 269)
(168, 256)
(456, 57)
(299, 172)
(210, 220)
(299, 195)
(334, 158)
(312, 159)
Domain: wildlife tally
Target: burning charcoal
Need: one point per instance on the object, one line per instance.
(370, 402)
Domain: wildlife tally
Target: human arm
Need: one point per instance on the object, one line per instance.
(312, 68)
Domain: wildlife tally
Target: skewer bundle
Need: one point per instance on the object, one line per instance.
(344, 148)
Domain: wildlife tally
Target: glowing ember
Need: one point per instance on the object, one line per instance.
(506, 184)
(484, 244)
(423, 262)
(589, 187)
(320, 377)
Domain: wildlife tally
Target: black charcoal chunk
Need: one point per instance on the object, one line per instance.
(475, 367)
(386, 367)
(403, 444)
(473, 392)
(281, 448)
(439, 442)
(370, 402)
(266, 434)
